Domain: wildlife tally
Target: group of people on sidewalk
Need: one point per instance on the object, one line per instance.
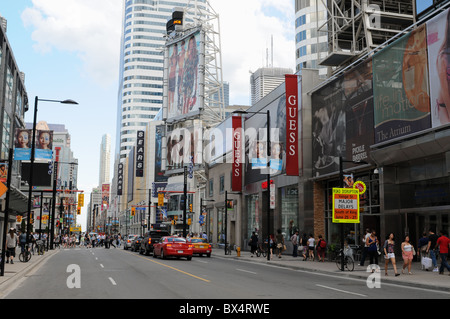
(429, 245)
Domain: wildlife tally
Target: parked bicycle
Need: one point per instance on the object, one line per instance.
(25, 254)
(348, 261)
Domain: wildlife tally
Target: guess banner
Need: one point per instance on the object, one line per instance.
(292, 124)
(236, 182)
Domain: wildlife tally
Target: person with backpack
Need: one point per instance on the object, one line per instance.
(321, 248)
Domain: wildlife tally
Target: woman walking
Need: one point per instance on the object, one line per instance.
(389, 254)
(372, 249)
(407, 254)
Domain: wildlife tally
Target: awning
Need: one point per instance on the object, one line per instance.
(18, 201)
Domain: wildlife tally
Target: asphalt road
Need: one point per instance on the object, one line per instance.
(117, 274)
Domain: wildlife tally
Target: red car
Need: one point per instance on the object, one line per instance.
(173, 246)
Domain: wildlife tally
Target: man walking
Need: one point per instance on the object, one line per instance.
(432, 239)
(366, 247)
(443, 242)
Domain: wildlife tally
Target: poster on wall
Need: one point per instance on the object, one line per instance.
(44, 144)
(342, 123)
(438, 43)
(159, 174)
(184, 76)
(401, 87)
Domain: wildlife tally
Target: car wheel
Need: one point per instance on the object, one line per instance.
(162, 254)
(154, 255)
(208, 255)
(189, 258)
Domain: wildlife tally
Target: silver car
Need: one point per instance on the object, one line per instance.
(128, 241)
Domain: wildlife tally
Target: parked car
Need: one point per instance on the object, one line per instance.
(150, 239)
(128, 241)
(173, 246)
(200, 246)
(136, 243)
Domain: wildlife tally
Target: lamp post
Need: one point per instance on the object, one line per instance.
(341, 185)
(268, 172)
(33, 147)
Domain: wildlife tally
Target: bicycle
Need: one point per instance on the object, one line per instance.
(228, 249)
(261, 251)
(25, 254)
(348, 261)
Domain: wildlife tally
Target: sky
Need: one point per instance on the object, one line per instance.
(70, 49)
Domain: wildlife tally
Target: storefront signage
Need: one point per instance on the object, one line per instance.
(140, 154)
(360, 186)
(292, 122)
(236, 183)
(346, 205)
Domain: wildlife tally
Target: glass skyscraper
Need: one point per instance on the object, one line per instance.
(140, 94)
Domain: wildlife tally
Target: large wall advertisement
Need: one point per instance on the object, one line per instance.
(401, 88)
(438, 57)
(342, 120)
(184, 76)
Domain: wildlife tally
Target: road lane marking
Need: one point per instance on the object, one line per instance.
(112, 281)
(101, 265)
(173, 268)
(250, 272)
(343, 291)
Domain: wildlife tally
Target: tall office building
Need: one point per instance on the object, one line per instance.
(265, 80)
(311, 44)
(140, 94)
(105, 160)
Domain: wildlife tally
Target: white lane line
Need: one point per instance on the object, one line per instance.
(343, 291)
(201, 261)
(101, 265)
(112, 281)
(250, 272)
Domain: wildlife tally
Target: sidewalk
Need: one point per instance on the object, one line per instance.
(419, 278)
(18, 270)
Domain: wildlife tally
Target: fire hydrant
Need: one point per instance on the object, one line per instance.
(238, 250)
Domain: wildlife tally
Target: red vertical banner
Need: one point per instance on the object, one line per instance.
(236, 182)
(292, 125)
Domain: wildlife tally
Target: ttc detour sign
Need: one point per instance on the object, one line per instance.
(346, 205)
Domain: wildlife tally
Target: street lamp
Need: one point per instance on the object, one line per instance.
(33, 146)
(268, 172)
(341, 185)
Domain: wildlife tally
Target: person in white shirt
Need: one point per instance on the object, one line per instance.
(11, 244)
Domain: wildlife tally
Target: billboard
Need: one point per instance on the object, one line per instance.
(184, 145)
(184, 77)
(159, 174)
(43, 144)
(401, 87)
(342, 123)
(439, 68)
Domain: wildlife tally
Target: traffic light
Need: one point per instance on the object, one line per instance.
(81, 200)
(189, 221)
(133, 211)
(78, 210)
(190, 208)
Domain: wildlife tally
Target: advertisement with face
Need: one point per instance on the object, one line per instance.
(255, 129)
(438, 38)
(343, 120)
(184, 76)
(184, 145)
(401, 88)
(22, 143)
(44, 144)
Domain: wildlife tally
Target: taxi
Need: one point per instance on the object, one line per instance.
(201, 246)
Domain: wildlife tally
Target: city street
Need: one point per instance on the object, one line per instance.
(118, 274)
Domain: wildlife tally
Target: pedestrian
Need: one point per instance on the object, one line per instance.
(365, 249)
(443, 242)
(311, 244)
(407, 254)
(423, 244)
(321, 248)
(11, 244)
(271, 245)
(389, 254)
(304, 246)
(294, 241)
(432, 240)
(253, 243)
(280, 242)
(372, 249)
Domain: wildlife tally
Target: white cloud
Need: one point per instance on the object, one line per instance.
(88, 28)
(246, 31)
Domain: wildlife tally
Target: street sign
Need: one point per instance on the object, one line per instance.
(346, 205)
(3, 189)
(359, 185)
(272, 196)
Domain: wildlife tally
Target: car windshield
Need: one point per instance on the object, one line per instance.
(176, 240)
